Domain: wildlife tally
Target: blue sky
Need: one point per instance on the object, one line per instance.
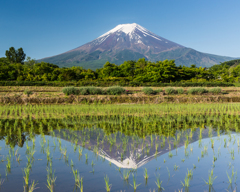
(49, 27)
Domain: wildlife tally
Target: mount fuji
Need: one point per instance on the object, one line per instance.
(131, 42)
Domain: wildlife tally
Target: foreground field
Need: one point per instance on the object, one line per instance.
(188, 147)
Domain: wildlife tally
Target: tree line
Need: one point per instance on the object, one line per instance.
(14, 67)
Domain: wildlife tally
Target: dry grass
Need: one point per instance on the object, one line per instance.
(53, 95)
(59, 89)
(138, 98)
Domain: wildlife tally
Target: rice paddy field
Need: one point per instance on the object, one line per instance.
(132, 147)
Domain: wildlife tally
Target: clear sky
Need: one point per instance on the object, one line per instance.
(49, 27)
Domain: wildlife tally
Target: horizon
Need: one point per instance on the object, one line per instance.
(58, 26)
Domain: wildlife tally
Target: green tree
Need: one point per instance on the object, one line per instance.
(15, 56)
(29, 62)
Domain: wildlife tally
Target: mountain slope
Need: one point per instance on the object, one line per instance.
(131, 42)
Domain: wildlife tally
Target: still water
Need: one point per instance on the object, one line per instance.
(96, 154)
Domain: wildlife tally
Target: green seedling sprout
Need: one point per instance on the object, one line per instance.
(211, 178)
(159, 183)
(146, 176)
(186, 183)
(32, 187)
(108, 186)
(126, 175)
(135, 185)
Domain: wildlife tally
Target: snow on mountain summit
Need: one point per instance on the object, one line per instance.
(130, 29)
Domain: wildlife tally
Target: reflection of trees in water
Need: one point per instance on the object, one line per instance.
(13, 140)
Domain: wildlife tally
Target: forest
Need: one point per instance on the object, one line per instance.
(142, 71)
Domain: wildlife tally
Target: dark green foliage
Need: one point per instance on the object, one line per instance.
(95, 91)
(27, 92)
(197, 91)
(101, 83)
(130, 73)
(158, 90)
(215, 90)
(83, 91)
(90, 91)
(148, 91)
(115, 90)
(70, 91)
(170, 91)
(15, 56)
(180, 91)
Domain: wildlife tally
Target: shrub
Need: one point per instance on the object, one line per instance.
(196, 91)
(148, 91)
(70, 91)
(158, 90)
(180, 91)
(170, 91)
(83, 91)
(27, 92)
(215, 90)
(95, 91)
(90, 91)
(115, 90)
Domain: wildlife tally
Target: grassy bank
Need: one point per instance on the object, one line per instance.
(134, 95)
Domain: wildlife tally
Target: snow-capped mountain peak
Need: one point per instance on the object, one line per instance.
(130, 29)
(126, 28)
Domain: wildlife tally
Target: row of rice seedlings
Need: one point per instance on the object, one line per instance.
(78, 180)
(51, 179)
(47, 111)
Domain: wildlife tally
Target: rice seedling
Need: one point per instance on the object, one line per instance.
(108, 186)
(8, 165)
(26, 175)
(190, 173)
(211, 178)
(72, 164)
(135, 185)
(212, 143)
(32, 187)
(159, 183)
(214, 158)
(50, 178)
(126, 175)
(186, 183)
(168, 173)
(176, 167)
(77, 178)
(146, 176)
(230, 179)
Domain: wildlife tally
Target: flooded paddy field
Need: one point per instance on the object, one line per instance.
(120, 148)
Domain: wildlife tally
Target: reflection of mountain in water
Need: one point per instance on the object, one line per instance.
(130, 151)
